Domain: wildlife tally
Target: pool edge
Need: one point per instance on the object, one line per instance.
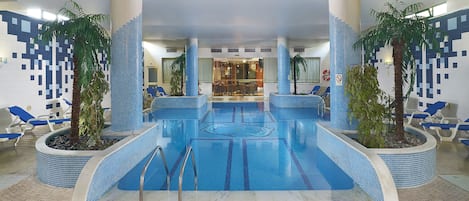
(366, 168)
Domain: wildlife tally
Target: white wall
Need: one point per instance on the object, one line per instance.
(454, 5)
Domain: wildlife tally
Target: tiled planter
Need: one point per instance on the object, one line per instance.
(414, 166)
(410, 167)
(60, 168)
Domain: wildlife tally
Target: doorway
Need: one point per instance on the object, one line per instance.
(238, 77)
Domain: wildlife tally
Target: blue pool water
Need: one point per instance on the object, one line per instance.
(240, 146)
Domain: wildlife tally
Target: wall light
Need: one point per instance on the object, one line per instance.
(388, 62)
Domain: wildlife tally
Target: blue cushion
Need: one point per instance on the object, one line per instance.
(10, 135)
(433, 108)
(38, 122)
(44, 122)
(465, 142)
(463, 128)
(22, 114)
(59, 121)
(420, 116)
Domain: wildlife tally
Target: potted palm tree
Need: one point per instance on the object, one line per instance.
(177, 79)
(89, 86)
(295, 63)
(88, 38)
(402, 30)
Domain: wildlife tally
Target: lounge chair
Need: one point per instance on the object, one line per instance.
(453, 127)
(24, 118)
(315, 90)
(465, 141)
(152, 91)
(326, 92)
(433, 110)
(68, 110)
(5, 130)
(161, 91)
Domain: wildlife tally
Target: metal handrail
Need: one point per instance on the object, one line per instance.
(142, 175)
(181, 173)
(323, 107)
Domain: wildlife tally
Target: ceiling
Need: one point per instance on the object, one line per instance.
(222, 23)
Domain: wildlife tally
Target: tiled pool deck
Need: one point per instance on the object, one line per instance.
(18, 181)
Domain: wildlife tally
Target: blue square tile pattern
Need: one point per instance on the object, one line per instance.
(452, 23)
(25, 26)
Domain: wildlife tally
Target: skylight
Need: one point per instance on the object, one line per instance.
(430, 12)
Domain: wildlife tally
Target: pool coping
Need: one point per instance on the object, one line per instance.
(386, 189)
(89, 186)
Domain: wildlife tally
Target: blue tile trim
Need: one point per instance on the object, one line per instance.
(245, 166)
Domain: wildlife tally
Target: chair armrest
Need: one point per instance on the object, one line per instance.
(43, 117)
(419, 112)
(446, 120)
(461, 124)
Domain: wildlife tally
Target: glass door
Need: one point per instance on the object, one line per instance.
(237, 77)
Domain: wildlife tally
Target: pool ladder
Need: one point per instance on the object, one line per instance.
(142, 175)
(189, 152)
(183, 167)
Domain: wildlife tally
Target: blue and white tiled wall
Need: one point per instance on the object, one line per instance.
(443, 75)
(29, 78)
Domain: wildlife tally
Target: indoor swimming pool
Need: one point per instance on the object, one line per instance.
(240, 147)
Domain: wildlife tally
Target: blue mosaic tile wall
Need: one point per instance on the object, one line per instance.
(439, 64)
(26, 30)
(434, 69)
(39, 54)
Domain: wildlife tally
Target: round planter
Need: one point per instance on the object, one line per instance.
(59, 168)
(413, 166)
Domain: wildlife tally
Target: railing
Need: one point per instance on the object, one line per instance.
(321, 107)
(142, 175)
(181, 173)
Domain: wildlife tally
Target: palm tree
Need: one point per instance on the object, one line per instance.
(177, 79)
(402, 29)
(295, 63)
(87, 37)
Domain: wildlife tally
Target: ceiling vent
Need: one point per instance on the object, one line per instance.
(266, 50)
(171, 49)
(299, 49)
(215, 50)
(249, 49)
